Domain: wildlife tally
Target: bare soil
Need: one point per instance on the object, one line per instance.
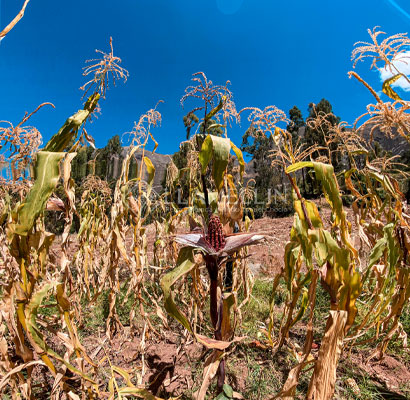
(169, 369)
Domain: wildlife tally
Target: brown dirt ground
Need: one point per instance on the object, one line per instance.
(170, 367)
(268, 258)
(389, 372)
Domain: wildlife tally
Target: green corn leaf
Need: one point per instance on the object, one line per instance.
(349, 292)
(185, 263)
(325, 174)
(35, 335)
(199, 200)
(312, 213)
(292, 252)
(205, 154)
(222, 396)
(303, 307)
(393, 248)
(213, 112)
(138, 392)
(298, 166)
(239, 156)
(151, 171)
(377, 251)
(387, 184)
(299, 234)
(70, 128)
(217, 149)
(124, 374)
(221, 147)
(387, 89)
(47, 173)
(227, 389)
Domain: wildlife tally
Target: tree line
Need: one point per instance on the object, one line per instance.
(271, 196)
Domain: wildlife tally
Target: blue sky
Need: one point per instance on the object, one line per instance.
(283, 53)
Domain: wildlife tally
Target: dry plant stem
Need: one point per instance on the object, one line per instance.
(302, 200)
(204, 188)
(216, 312)
(322, 383)
(289, 388)
(207, 206)
(13, 23)
(212, 267)
(28, 116)
(371, 90)
(218, 336)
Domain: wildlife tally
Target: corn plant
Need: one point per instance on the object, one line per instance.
(213, 243)
(44, 297)
(135, 211)
(315, 255)
(32, 276)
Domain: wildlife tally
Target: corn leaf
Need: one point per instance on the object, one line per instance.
(151, 173)
(298, 166)
(217, 149)
(214, 111)
(303, 307)
(205, 154)
(185, 263)
(36, 337)
(239, 156)
(47, 173)
(70, 128)
(387, 89)
(377, 251)
(211, 367)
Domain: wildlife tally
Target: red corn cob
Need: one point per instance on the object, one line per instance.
(215, 236)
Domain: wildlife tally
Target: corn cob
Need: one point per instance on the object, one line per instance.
(215, 236)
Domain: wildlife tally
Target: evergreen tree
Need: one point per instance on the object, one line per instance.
(259, 147)
(105, 157)
(296, 122)
(319, 136)
(79, 165)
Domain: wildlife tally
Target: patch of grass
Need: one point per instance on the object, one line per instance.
(322, 307)
(49, 307)
(256, 312)
(260, 383)
(405, 319)
(124, 308)
(303, 383)
(355, 384)
(95, 315)
(255, 373)
(367, 389)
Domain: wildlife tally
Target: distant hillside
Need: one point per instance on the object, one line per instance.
(397, 145)
(160, 162)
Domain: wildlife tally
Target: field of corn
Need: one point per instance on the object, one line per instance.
(108, 311)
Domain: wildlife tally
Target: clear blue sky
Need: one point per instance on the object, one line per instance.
(274, 52)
